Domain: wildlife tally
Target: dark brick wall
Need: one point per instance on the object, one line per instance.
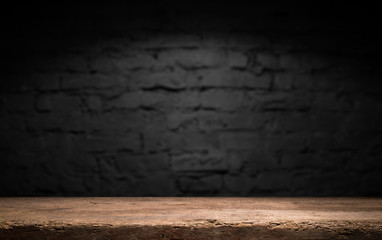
(131, 100)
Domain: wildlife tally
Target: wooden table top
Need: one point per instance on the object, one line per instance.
(329, 214)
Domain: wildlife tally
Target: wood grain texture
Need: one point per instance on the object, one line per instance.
(191, 218)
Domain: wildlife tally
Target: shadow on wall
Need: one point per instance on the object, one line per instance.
(179, 113)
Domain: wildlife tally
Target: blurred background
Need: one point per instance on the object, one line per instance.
(207, 99)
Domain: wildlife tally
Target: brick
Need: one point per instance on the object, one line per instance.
(203, 120)
(327, 80)
(115, 123)
(82, 165)
(317, 183)
(239, 140)
(272, 181)
(247, 41)
(192, 141)
(211, 120)
(177, 40)
(46, 122)
(323, 141)
(204, 185)
(18, 162)
(346, 103)
(352, 140)
(239, 184)
(182, 120)
(341, 182)
(156, 99)
(128, 142)
(235, 162)
(261, 82)
(19, 103)
(107, 167)
(351, 82)
(222, 100)
(258, 160)
(155, 163)
(132, 100)
(156, 140)
(73, 62)
(249, 80)
(313, 161)
(356, 162)
(159, 140)
(59, 146)
(326, 101)
(214, 40)
(301, 101)
(44, 81)
(237, 59)
(187, 100)
(292, 123)
(268, 101)
(368, 121)
(149, 186)
(97, 81)
(267, 60)
(128, 166)
(283, 81)
(119, 186)
(323, 121)
(193, 59)
(168, 79)
(129, 100)
(70, 185)
(104, 64)
(43, 103)
(303, 81)
(287, 142)
(225, 78)
(366, 103)
(198, 162)
(279, 101)
(368, 183)
(123, 64)
(245, 120)
(332, 160)
(155, 120)
(303, 62)
(16, 83)
(303, 181)
(94, 103)
(61, 62)
(12, 122)
(2, 105)
(93, 184)
(290, 62)
(63, 103)
(297, 161)
(140, 165)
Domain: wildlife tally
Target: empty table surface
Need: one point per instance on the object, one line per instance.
(190, 218)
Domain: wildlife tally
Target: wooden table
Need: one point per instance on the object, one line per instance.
(190, 218)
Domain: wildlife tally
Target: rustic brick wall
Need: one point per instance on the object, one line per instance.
(122, 101)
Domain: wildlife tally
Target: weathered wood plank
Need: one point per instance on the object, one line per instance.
(190, 218)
